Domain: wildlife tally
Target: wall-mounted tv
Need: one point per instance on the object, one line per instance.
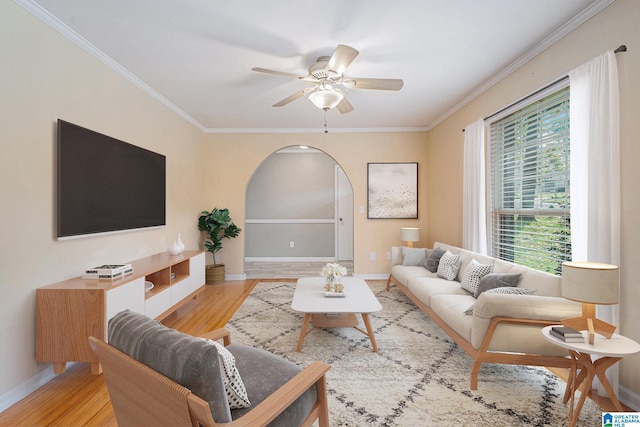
(106, 185)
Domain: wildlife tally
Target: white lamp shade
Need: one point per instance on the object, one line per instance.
(590, 282)
(408, 234)
(325, 97)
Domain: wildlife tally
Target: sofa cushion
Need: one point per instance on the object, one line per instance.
(404, 273)
(450, 308)
(545, 283)
(233, 384)
(503, 290)
(426, 287)
(434, 259)
(472, 275)
(413, 256)
(263, 373)
(496, 280)
(448, 266)
(189, 361)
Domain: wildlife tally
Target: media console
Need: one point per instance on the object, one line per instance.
(68, 312)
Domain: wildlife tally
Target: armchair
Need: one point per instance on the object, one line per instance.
(158, 376)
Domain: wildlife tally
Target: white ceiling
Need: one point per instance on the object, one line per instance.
(196, 55)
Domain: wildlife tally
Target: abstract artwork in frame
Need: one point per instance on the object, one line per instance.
(392, 190)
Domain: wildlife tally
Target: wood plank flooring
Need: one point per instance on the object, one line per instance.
(77, 398)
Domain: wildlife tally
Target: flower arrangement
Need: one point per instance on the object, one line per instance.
(332, 272)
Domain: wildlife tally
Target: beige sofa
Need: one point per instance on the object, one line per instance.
(501, 328)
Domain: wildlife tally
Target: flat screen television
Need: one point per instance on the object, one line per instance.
(106, 185)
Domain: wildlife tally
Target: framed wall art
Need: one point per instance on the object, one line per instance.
(392, 190)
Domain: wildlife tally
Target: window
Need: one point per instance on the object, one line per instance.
(529, 184)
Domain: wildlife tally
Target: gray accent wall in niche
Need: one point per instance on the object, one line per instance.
(291, 198)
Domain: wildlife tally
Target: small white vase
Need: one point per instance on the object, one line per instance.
(174, 249)
(180, 244)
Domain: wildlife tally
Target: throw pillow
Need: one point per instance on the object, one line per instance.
(448, 266)
(434, 259)
(472, 275)
(496, 280)
(503, 290)
(233, 384)
(413, 256)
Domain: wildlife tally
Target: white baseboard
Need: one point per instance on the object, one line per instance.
(12, 397)
(371, 276)
(289, 259)
(229, 277)
(629, 398)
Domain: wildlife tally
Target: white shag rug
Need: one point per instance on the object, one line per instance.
(419, 377)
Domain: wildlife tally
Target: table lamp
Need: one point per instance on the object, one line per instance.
(409, 235)
(590, 283)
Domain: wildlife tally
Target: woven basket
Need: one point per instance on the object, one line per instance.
(214, 274)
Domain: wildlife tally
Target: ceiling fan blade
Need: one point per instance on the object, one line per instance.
(278, 73)
(290, 98)
(377, 84)
(344, 106)
(341, 58)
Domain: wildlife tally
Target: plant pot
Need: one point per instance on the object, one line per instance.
(214, 274)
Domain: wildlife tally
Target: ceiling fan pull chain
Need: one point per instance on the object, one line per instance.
(325, 120)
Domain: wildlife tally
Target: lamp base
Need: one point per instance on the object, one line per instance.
(589, 323)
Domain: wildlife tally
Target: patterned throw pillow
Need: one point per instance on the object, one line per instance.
(233, 385)
(434, 259)
(503, 290)
(496, 280)
(472, 275)
(448, 266)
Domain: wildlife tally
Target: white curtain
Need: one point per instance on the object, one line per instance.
(474, 224)
(595, 169)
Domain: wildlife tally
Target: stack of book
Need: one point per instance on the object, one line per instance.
(566, 334)
(110, 271)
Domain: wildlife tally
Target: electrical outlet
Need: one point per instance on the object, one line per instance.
(361, 209)
(372, 256)
(292, 244)
(388, 255)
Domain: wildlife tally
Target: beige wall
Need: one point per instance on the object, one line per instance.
(615, 25)
(43, 77)
(232, 159)
(49, 77)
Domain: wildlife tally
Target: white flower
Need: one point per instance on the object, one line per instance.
(333, 271)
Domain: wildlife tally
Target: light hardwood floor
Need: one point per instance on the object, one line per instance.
(77, 398)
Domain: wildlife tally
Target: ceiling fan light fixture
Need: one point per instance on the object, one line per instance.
(325, 97)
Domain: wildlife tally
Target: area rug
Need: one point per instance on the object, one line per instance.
(419, 377)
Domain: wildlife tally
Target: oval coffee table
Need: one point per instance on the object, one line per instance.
(334, 312)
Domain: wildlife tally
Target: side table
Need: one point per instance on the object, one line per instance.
(609, 350)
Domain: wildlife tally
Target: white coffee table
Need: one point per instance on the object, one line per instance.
(334, 312)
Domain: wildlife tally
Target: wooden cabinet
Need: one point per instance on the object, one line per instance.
(68, 312)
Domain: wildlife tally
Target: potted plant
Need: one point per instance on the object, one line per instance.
(218, 225)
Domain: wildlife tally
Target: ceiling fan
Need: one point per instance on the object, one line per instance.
(330, 83)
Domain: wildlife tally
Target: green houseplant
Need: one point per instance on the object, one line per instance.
(218, 225)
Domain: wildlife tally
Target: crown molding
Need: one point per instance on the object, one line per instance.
(316, 130)
(63, 29)
(66, 31)
(590, 11)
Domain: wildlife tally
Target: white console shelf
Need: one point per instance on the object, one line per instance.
(68, 312)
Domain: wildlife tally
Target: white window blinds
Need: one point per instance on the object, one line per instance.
(529, 184)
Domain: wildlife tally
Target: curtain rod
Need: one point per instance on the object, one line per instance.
(621, 48)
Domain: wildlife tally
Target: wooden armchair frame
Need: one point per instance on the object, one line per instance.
(143, 396)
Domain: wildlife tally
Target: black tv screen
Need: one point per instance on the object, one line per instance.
(106, 185)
